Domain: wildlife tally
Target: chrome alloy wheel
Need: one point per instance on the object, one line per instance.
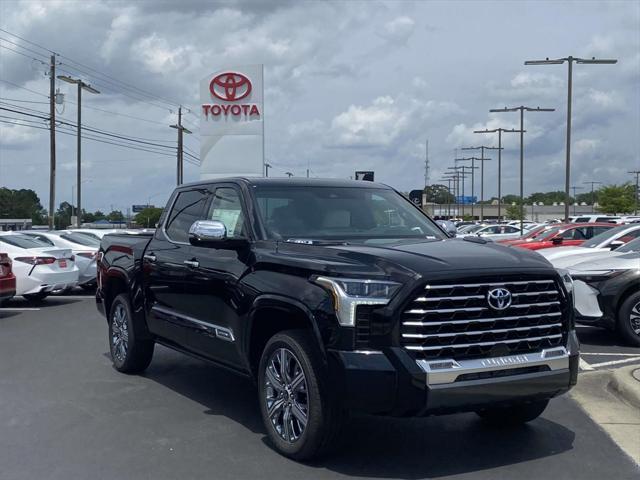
(634, 318)
(119, 333)
(285, 392)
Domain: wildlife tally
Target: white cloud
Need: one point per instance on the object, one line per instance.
(398, 30)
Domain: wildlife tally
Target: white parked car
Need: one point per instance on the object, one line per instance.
(39, 268)
(84, 248)
(606, 241)
(498, 232)
(96, 233)
(594, 219)
(592, 254)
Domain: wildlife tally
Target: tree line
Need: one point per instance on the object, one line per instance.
(612, 199)
(25, 203)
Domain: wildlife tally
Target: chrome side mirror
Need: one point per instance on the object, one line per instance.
(202, 231)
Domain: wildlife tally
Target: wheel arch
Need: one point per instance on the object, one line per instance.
(291, 314)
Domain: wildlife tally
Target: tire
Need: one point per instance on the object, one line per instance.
(311, 398)
(628, 325)
(515, 414)
(36, 297)
(129, 353)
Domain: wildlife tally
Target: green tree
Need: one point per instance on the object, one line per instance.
(514, 212)
(148, 217)
(438, 193)
(63, 216)
(115, 216)
(616, 199)
(510, 198)
(23, 203)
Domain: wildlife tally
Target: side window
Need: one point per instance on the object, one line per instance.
(599, 230)
(581, 220)
(627, 237)
(188, 207)
(226, 207)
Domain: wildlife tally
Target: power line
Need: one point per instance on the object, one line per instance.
(117, 113)
(23, 54)
(27, 41)
(23, 88)
(22, 101)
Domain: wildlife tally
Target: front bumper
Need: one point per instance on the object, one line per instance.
(391, 382)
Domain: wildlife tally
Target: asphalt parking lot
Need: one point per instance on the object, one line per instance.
(66, 414)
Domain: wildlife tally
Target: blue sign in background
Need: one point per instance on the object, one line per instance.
(466, 200)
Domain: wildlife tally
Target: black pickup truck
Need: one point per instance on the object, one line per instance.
(339, 296)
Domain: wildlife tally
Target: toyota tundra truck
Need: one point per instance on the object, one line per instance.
(338, 296)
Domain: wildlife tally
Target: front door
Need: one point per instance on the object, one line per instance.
(165, 270)
(211, 286)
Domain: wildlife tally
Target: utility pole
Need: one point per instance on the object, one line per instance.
(52, 141)
(482, 159)
(574, 188)
(473, 176)
(81, 86)
(592, 197)
(500, 132)
(426, 166)
(637, 174)
(180, 158)
(266, 170)
(522, 109)
(569, 60)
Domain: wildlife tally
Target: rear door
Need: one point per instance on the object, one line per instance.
(164, 266)
(212, 295)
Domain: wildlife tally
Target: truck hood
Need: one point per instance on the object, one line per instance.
(411, 257)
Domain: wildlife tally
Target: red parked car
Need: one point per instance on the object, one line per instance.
(529, 237)
(565, 235)
(7, 279)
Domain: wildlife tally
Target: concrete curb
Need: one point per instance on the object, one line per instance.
(624, 384)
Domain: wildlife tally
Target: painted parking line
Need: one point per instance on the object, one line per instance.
(615, 362)
(584, 365)
(613, 354)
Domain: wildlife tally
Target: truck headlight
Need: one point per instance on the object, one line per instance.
(348, 293)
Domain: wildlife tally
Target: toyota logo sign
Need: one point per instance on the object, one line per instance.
(499, 298)
(230, 86)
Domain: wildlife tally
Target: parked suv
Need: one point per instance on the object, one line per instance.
(336, 296)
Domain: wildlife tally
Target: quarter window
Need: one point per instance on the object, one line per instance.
(188, 207)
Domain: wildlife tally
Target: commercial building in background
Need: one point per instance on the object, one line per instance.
(232, 123)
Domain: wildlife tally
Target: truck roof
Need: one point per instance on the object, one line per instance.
(294, 181)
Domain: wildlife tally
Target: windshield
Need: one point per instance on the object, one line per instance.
(89, 234)
(22, 241)
(80, 239)
(604, 236)
(632, 246)
(548, 234)
(337, 213)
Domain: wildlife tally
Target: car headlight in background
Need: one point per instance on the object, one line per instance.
(348, 293)
(566, 279)
(591, 276)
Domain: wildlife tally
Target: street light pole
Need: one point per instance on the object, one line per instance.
(500, 132)
(267, 166)
(592, 197)
(81, 86)
(521, 109)
(637, 174)
(569, 60)
(473, 168)
(482, 159)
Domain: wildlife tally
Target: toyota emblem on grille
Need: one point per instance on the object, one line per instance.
(499, 298)
(230, 86)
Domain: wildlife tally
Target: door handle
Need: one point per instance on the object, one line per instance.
(151, 257)
(192, 263)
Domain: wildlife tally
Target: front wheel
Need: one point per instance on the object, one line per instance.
(129, 353)
(299, 411)
(514, 414)
(629, 319)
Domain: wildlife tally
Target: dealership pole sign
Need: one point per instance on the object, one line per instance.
(231, 122)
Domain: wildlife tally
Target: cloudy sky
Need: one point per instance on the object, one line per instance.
(349, 85)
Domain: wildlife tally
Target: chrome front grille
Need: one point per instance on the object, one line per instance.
(455, 320)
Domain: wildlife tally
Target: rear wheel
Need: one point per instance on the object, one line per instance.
(629, 319)
(129, 353)
(36, 297)
(300, 413)
(514, 414)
